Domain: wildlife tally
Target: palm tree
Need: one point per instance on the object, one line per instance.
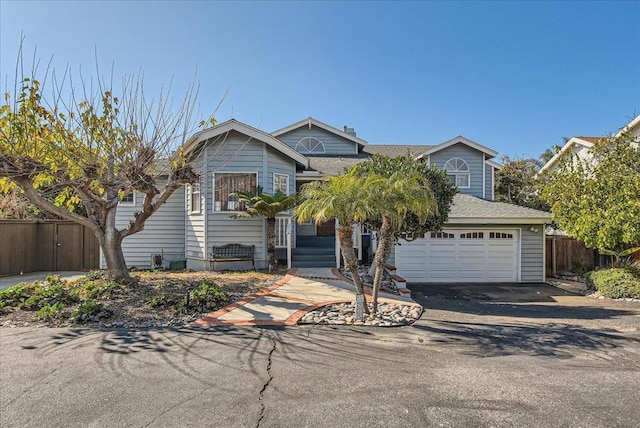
(345, 198)
(261, 204)
(396, 197)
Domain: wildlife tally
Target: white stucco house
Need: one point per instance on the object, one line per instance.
(483, 241)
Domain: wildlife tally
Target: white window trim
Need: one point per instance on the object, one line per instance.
(320, 144)
(191, 193)
(275, 175)
(213, 188)
(459, 172)
(129, 204)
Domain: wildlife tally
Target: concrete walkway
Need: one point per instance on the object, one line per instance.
(10, 281)
(284, 303)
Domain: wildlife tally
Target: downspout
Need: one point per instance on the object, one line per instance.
(484, 178)
(205, 210)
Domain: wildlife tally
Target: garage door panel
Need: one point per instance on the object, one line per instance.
(460, 259)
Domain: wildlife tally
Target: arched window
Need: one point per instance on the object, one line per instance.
(458, 172)
(310, 145)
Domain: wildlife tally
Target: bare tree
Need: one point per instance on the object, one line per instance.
(95, 148)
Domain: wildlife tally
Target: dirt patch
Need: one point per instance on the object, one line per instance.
(159, 299)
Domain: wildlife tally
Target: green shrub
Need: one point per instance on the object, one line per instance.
(101, 289)
(87, 310)
(616, 283)
(206, 296)
(13, 296)
(54, 310)
(162, 299)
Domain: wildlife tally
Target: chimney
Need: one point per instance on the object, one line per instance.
(350, 131)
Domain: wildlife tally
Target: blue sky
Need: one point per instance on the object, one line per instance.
(514, 76)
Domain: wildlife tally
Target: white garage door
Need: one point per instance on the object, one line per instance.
(460, 256)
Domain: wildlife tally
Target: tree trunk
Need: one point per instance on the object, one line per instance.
(383, 252)
(271, 241)
(345, 235)
(112, 249)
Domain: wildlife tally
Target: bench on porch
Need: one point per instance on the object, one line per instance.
(232, 253)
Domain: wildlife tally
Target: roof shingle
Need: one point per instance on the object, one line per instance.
(471, 207)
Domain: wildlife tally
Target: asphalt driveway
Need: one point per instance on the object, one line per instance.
(479, 356)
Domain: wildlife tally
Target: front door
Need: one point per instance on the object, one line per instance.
(328, 228)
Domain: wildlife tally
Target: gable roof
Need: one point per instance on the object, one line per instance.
(310, 121)
(233, 125)
(460, 139)
(632, 127)
(470, 209)
(335, 165)
(393, 150)
(582, 141)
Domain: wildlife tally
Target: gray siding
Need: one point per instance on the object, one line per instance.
(474, 159)
(333, 144)
(488, 183)
(222, 230)
(164, 231)
(277, 163)
(236, 153)
(195, 222)
(532, 254)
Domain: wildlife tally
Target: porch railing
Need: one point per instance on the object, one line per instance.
(281, 231)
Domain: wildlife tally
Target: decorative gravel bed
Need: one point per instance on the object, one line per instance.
(387, 285)
(389, 315)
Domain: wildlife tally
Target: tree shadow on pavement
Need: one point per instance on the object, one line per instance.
(502, 339)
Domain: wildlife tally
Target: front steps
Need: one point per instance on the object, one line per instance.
(314, 251)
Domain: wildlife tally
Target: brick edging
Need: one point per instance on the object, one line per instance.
(211, 318)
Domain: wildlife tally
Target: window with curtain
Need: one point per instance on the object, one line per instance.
(226, 183)
(281, 183)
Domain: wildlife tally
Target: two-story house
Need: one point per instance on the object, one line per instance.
(484, 241)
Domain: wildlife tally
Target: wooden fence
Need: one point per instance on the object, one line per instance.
(564, 254)
(27, 246)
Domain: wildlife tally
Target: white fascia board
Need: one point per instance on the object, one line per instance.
(568, 145)
(493, 163)
(311, 121)
(630, 126)
(498, 220)
(463, 140)
(234, 125)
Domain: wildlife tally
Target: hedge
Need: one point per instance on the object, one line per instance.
(616, 283)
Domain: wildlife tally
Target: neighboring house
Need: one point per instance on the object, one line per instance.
(483, 241)
(580, 146)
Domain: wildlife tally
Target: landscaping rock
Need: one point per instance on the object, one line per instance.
(389, 315)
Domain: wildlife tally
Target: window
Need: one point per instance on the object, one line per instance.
(129, 199)
(458, 172)
(472, 235)
(226, 183)
(500, 235)
(194, 198)
(281, 183)
(310, 145)
(442, 235)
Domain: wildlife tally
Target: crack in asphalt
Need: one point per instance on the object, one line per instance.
(186, 400)
(266, 384)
